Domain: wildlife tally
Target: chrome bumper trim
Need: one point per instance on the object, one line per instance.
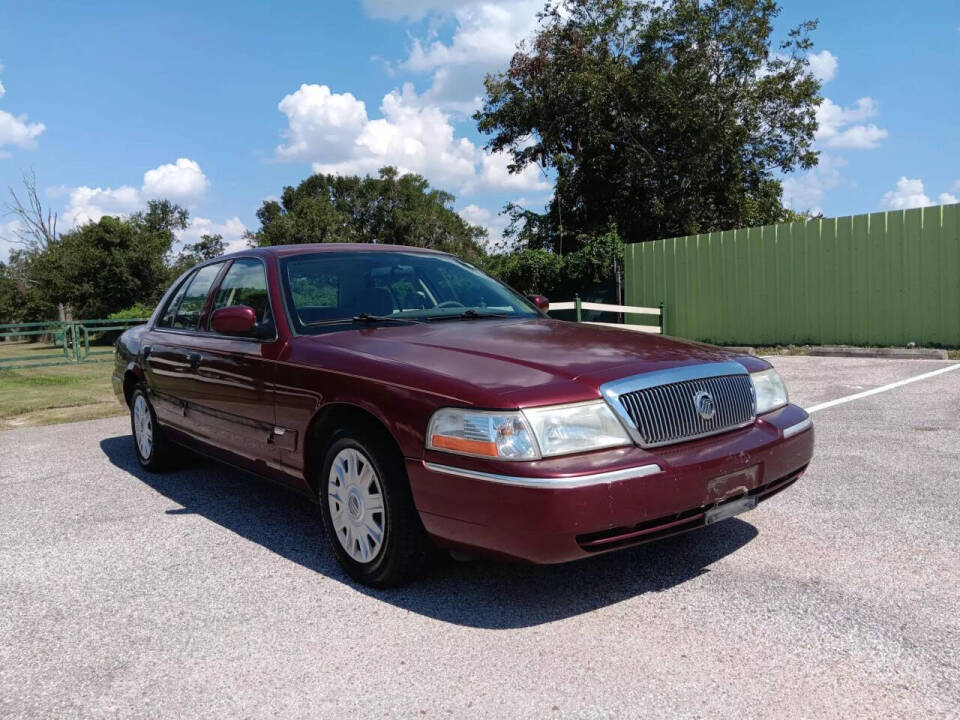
(797, 429)
(549, 483)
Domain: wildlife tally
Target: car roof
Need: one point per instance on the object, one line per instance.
(305, 248)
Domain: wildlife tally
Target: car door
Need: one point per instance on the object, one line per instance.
(234, 374)
(172, 351)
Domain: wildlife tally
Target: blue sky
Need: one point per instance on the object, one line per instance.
(113, 103)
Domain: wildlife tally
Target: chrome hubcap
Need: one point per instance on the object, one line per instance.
(142, 426)
(355, 499)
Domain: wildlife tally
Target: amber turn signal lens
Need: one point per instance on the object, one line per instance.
(474, 447)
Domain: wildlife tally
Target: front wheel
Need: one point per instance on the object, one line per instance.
(368, 512)
(148, 439)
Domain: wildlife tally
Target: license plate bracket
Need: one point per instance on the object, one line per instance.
(729, 509)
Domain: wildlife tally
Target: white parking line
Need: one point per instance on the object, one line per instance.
(882, 388)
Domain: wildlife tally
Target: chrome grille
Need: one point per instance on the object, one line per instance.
(665, 414)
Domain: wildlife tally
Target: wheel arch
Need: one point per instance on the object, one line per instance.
(327, 420)
(132, 377)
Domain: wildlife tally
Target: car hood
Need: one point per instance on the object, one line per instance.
(520, 362)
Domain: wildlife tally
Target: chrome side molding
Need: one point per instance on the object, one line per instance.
(575, 481)
(798, 428)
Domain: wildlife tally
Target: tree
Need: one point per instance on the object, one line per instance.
(36, 228)
(390, 208)
(102, 267)
(207, 247)
(595, 269)
(659, 118)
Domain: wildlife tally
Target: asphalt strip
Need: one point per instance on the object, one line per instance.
(882, 388)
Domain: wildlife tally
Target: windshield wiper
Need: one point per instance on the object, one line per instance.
(369, 318)
(470, 314)
(361, 318)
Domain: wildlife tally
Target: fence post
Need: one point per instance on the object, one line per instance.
(663, 320)
(576, 305)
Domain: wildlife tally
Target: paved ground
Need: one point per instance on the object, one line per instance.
(203, 593)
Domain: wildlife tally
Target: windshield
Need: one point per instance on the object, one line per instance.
(326, 287)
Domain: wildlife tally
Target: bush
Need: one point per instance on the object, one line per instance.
(134, 312)
(590, 272)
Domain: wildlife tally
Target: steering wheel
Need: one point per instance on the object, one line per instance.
(449, 304)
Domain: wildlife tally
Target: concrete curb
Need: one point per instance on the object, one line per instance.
(888, 353)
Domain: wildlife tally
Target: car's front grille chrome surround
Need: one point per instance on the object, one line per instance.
(661, 407)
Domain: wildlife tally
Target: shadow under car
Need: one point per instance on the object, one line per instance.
(482, 594)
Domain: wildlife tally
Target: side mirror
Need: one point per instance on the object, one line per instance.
(234, 320)
(540, 301)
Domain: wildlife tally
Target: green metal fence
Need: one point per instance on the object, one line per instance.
(40, 344)
(887, 278)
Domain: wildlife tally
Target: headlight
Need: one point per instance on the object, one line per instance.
(502, 435)
(528, 434)
(564, 429)
(769, 389)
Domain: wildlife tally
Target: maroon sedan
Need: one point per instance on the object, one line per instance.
(421, 402)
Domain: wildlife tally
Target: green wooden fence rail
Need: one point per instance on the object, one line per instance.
(886, 278)
(71, 342)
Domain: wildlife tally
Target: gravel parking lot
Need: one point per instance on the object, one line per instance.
(205, 593)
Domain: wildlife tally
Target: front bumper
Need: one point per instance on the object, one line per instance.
(566, 508)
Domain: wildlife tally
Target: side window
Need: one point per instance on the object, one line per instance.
(245, 284)
(170, 311)
(187, 316)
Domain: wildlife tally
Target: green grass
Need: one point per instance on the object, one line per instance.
(53, 394)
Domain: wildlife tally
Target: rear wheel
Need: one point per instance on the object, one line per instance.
(148, 440)
(368, 513)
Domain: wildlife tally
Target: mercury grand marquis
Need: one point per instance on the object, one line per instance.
(423, 404)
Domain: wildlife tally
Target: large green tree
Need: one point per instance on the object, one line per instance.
(659, 118)
(99, 268)
(389, 208)
(207, 247)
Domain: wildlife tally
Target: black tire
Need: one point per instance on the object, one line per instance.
(159, 455)
(405, 547)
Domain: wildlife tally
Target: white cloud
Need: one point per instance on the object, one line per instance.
(8, 239)
(495, 175)
(87, 204)
(946, 198)
(333, 132)
(484, 38)
(494, 222)
(839, 128)
(908, 193)
(17, 129)
(320, 122)
(232, 231)
(805, 192)
(182, 181)
(823, 65)
(836, 128)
